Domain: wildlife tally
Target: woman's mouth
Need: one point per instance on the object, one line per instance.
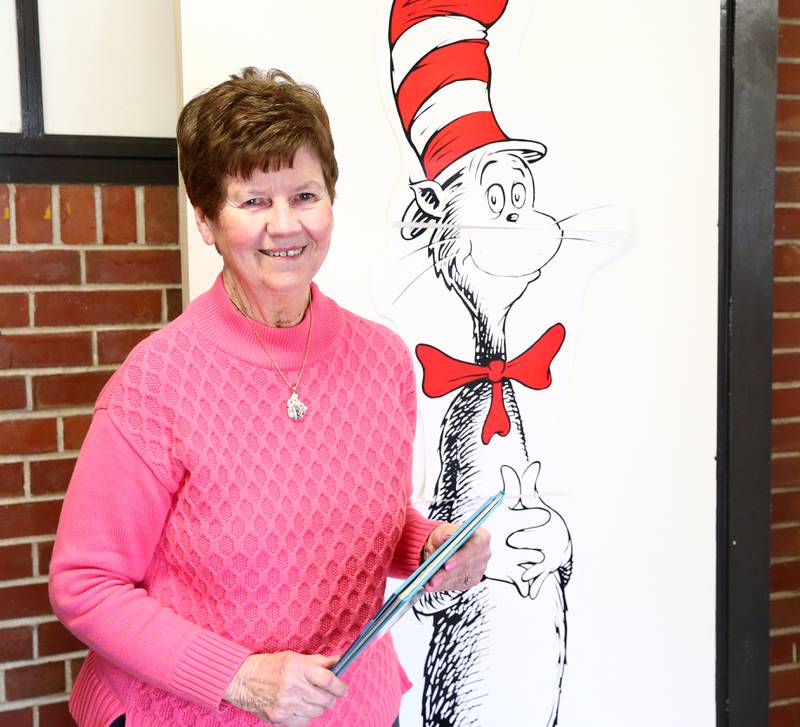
(288, 252)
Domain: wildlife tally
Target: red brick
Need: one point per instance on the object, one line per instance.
(785, 576)
(16, 643)
(161, 214)
(24, 601)
(75, 666)
(785, 542)
(784, 612)
(39, 267)
(55, 639)
(787, 184)
(5, 215)
(12, 388)
(17, 718)
(75, 428)
(786, 402)
(11, 479)
(133, 266)
(786, 437)
(787, 223)
(788, 150)
(787, 260)
(788, 115)
(786, 332)
(784, 684)
(119, 215)
(49, 476)
(788, 9)
(789, 78)
(55, 714)
(783, 648)
(98, 306)
(77, 214)
(114, 346)
(786, 367)
(786, 296)
(786, 506)
(29, 518)
(28, 436)
(785, 472)
(37, 350)
(13, 310)
(36, 680)
(174, 303)
(45, 551)
(60, 390)
(33, 213)
(16, 562)
(788, 40)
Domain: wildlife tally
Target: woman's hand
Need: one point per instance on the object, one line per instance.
(465, 569)
(285, 688)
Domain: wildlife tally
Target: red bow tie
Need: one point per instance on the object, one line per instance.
(442, 374)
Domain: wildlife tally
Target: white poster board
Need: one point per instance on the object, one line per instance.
(625, 98)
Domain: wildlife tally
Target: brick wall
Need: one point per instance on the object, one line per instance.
(85, 273)
(785, 563)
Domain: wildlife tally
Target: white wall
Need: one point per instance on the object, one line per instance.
(625, 95)
(108, 68)
(10, 113)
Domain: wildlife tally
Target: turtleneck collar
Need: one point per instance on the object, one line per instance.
(219, 321)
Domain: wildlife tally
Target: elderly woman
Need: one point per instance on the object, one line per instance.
(243, 491)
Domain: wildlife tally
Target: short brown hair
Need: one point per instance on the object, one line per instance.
(254, 121)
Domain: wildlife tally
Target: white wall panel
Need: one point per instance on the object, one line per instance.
(10, 113)
(108, 68)
(625, 96)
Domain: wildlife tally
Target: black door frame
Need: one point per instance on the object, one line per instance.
(748, 71)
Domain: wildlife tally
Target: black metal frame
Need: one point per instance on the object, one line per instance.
(746, 223)
(34, 156)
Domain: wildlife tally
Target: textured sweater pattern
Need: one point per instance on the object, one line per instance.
(202, 524)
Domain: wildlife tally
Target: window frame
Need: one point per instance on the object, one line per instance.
(33, 156)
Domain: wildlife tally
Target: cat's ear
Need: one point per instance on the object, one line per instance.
(426, 208)
(429, 196)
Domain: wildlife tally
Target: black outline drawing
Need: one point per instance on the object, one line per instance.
(474, 211)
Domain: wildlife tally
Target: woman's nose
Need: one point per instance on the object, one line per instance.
(512, 217)
(283, 220)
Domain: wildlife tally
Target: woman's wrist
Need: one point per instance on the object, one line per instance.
(235, 692)
(428, 547)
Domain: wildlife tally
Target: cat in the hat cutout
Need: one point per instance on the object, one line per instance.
(473, 210)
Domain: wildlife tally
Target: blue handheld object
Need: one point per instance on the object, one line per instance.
(410, 591)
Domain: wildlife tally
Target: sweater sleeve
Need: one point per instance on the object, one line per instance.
(111, 522)
(416, 528)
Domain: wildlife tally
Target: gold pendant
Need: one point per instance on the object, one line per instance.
(295, 408)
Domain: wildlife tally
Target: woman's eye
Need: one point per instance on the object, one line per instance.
(518, 195)
(254, 202)
(496, 198)
(304, 197)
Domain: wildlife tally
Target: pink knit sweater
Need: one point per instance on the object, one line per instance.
(202, 524)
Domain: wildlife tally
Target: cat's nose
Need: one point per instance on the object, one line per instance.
(512, 217)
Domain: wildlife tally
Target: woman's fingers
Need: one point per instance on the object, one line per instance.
(324, 679)
(286, 688)
(467, 566)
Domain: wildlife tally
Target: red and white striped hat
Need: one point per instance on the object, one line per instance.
(440, 78)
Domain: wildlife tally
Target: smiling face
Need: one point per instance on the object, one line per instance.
(273, 231)
(508, 236)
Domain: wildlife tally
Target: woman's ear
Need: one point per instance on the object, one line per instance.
(204, 225)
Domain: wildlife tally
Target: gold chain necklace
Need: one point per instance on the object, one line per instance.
(295, 408)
